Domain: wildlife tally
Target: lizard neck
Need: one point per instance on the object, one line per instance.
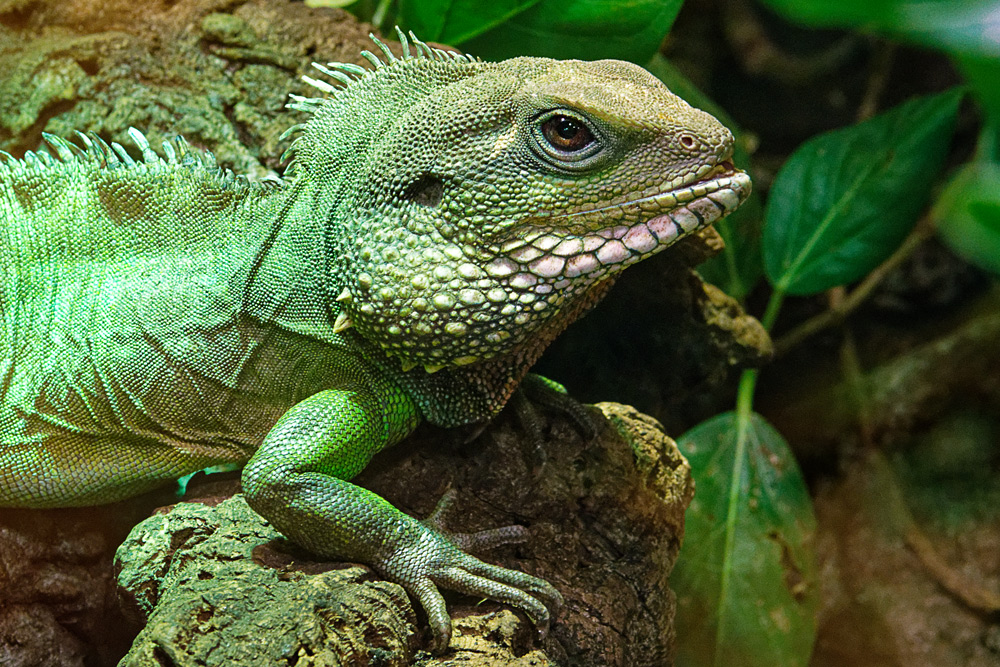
(467, 394)
(288, 281)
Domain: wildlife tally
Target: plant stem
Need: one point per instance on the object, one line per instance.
(773, 306)
(879, 68)
(988, 146)
(856, 297)
(744, 413)
(744, 393)
(744, 400)
(748, 380)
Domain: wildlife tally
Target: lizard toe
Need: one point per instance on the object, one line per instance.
(430, 598)
(484, 540)
(535, 586)
(428, 560)
(550, 394)
(462, 580)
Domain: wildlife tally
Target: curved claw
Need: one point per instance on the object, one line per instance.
(430, 598)
(471, 584)
(536, 586)
(423, 558)
(475, 542)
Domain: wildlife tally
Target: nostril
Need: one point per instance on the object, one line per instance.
(688, 141)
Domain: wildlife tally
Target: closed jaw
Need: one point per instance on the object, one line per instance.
(537, 260)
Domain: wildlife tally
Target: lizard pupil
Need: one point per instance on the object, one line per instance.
(566, 134)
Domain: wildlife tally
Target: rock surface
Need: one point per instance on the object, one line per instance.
(58, 605)
(217, 72)
(214, 584)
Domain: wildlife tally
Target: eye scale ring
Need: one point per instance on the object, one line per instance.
(567, 140)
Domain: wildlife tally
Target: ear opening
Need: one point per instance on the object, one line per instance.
(425, 191)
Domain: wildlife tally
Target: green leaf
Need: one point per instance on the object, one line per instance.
(983, 74)
(968, 214)
(585, 29)
(845, 200)
(455, 21)
(746, 580)
(966, 27)
(739, 266)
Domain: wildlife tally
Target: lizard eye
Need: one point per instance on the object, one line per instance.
(567, 140)
(566, 134)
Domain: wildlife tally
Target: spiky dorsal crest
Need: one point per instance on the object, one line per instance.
(345, 75)
(92, 150)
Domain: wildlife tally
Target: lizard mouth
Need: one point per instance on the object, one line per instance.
(571, 247)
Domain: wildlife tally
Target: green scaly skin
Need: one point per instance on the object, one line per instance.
(442, 221)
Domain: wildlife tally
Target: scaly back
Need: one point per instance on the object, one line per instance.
(83, 221)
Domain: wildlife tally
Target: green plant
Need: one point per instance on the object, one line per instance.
(840, 205)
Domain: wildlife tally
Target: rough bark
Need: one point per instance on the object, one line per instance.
(214, 584)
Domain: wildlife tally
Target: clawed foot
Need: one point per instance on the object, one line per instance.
(424, 558)
(550, 394)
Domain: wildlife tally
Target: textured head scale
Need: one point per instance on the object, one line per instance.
(471, 202)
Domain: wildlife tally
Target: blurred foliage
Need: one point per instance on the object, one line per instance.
(983, 74)
(969, 32)
(968, 214)
(968, 27)
(948, 472)
(328, 3)
(585, 29)
(456, 21)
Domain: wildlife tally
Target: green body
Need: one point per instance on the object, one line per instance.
(441, 222)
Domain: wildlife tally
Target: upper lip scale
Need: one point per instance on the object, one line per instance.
(715, 173)
(712, 175)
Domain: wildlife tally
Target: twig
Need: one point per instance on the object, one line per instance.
(969, 593)
(856, 297)
(854, 379)
(879, 75)
(759, 54)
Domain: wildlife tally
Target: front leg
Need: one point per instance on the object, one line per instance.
(298, 481)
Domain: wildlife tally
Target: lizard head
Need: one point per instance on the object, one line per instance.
(486, 199)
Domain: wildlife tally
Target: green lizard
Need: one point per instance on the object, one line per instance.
(442, 220)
